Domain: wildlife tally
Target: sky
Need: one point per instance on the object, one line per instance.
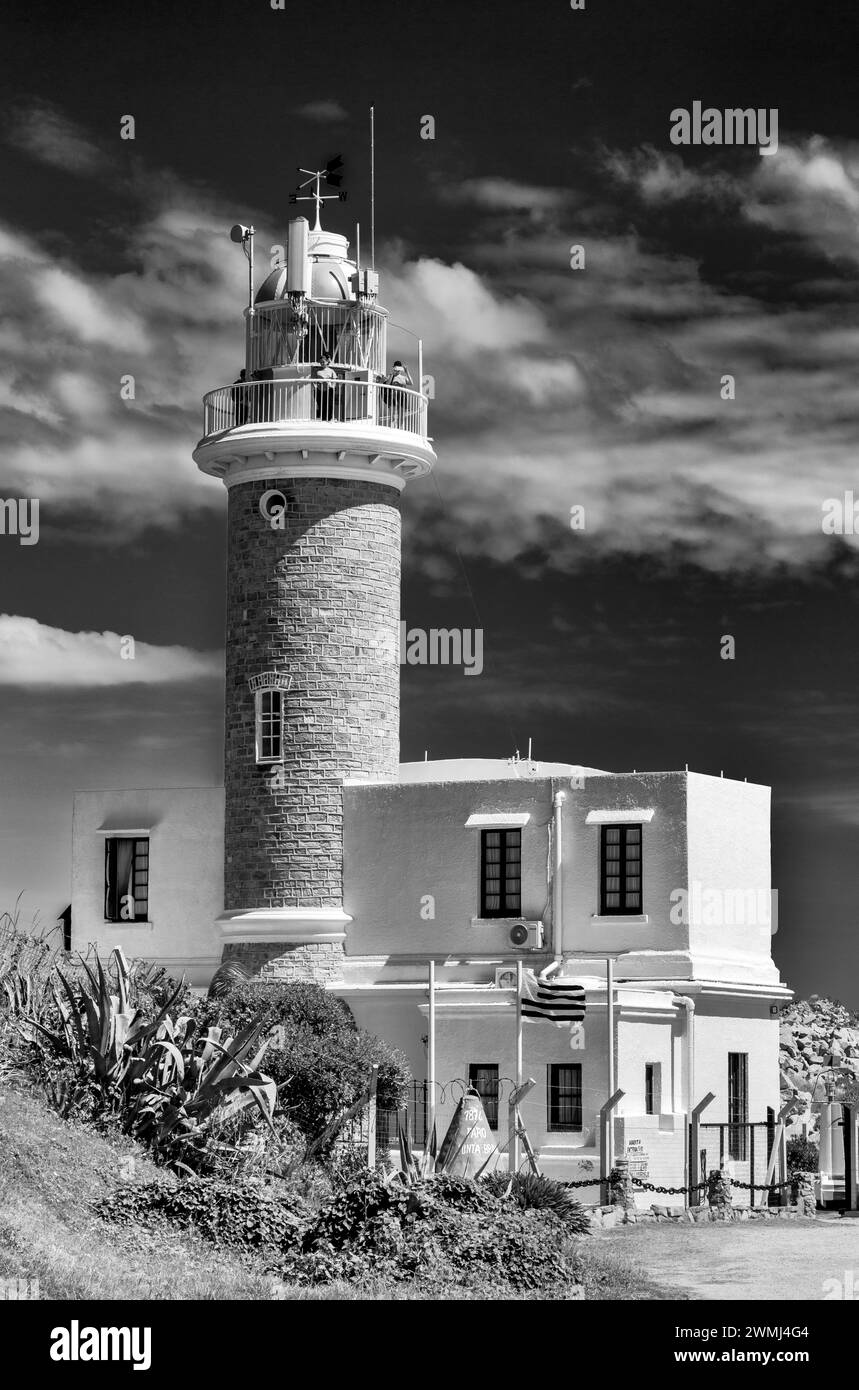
(556, 388)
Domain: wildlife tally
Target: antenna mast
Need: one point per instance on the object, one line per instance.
(372, 187)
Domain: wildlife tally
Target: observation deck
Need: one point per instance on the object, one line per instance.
(318, 313)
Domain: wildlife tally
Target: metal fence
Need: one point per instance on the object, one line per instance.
(305, 399)
(747, 1145)
(388, 1121)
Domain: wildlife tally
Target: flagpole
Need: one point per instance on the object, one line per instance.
(609, 1009)
(514, 1152)
(431, 1052)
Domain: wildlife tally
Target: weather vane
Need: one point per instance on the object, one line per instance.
(329, 175)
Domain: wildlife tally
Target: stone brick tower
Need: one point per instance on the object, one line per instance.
(315, 445)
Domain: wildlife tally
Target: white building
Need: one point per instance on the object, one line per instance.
(324, 858)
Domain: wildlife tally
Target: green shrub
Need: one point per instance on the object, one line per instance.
(318, 1056)
(534, 1192)
(234, 1214)
(443, 1230)
(802, 1156)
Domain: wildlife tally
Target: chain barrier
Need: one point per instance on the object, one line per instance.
(672, 1191)
(762, 1186)
(698, 1186)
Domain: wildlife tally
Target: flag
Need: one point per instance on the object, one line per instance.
(557, 1001)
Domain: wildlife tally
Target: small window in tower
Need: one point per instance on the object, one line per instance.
(269, 735)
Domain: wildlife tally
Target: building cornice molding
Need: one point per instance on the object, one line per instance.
(294, 926)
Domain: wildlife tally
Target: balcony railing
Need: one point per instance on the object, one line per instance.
(300, 402)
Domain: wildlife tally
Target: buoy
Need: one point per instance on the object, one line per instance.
(468, 1142)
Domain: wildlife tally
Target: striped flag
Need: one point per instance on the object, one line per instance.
(561, 1002)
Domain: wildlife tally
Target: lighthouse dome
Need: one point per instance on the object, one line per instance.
(331, 271)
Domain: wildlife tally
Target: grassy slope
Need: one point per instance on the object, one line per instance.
(52, 1171)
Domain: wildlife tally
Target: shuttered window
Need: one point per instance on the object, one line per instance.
(501, 873)
(620, 870)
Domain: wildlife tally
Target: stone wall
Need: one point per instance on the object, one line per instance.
(318, 600)
(273, 962)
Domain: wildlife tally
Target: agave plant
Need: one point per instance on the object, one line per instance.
(164, 1080)
(535, 1192)
(180, 1081)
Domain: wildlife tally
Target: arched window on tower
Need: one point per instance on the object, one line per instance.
(269, 726)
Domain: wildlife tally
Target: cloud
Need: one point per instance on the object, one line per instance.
(499, 194)
(808, 190)
(170, 325)
(46, 134)
(35, 656)
(553, 387)
(326, 112)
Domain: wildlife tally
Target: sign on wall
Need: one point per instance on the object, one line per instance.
(638, 1159)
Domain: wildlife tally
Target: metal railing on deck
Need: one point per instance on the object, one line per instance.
(300, 401)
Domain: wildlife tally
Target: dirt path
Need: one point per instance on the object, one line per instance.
(778, 1260)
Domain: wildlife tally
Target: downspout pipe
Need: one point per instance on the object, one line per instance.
(557, 879)
(689, 1007)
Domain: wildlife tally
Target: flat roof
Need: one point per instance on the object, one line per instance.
(490, 770)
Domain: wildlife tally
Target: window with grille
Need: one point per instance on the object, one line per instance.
(738, 1104)
(269, 737)
(126, 879)
(620, 870)
(483, 1076)
(565, 1095)
(501, 873)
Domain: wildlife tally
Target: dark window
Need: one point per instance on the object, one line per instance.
(620, 870)
(738, 1104)
(652, 1088)
(501, 873)
(483, 1076)
(269, 726)
(565, 1095)
(126, 880)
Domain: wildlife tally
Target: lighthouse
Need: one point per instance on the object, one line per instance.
(315, 443)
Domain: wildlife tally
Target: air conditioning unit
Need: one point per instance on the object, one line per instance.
(527, 936)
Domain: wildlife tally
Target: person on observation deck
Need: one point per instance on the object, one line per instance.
(240, 403)
(326, 390)
(395, 400)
